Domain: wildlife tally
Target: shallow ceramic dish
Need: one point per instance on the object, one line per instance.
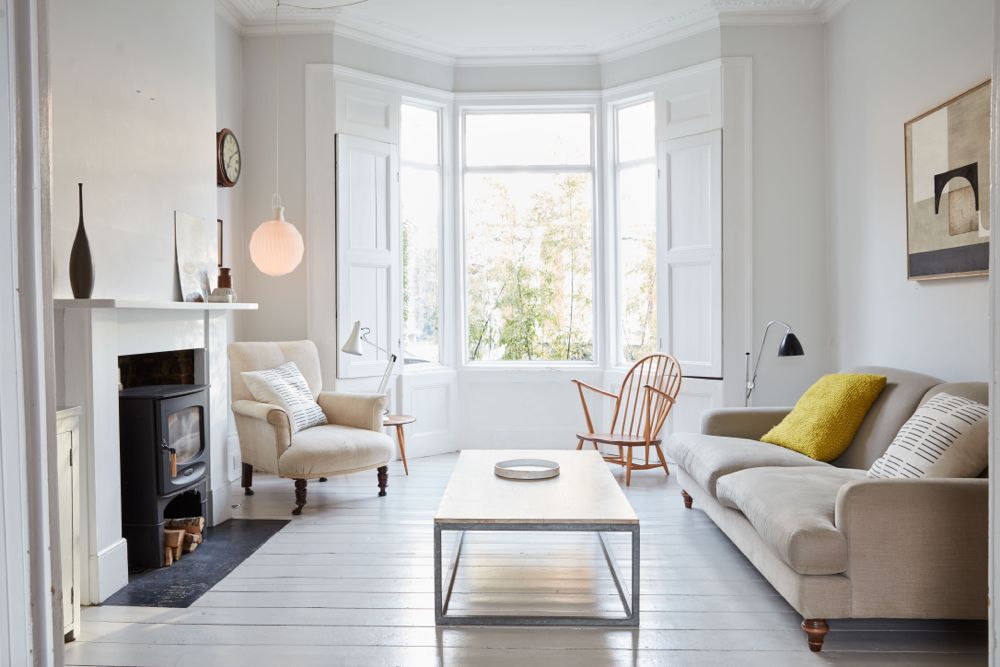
(526, 469)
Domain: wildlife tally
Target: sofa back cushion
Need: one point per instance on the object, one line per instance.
(903, 392)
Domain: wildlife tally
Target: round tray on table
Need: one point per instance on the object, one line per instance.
(526, 469)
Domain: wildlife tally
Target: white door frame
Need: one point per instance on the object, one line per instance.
(30, 587)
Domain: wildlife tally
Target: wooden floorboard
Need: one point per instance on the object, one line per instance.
(350, 582)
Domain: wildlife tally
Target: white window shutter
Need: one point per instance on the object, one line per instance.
(689, 271)
(368, 251)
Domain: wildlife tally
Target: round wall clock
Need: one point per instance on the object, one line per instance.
(227, 158)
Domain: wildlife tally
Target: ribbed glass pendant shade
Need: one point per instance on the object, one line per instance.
(276, 246)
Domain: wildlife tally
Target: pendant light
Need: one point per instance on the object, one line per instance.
(276, 246)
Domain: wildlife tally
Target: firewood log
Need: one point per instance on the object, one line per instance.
(168, 556)
(194, 525)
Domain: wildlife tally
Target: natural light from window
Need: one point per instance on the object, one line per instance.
(528, 192)
(635, 202)
(420, 197)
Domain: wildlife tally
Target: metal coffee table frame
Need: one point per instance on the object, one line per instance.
(629, 598)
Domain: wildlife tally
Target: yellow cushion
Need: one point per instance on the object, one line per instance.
(824, 421)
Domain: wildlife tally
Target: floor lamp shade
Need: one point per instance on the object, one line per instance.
(353, 344)
(276, 246)
(790, 346)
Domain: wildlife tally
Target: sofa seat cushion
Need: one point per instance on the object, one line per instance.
(792, 509)
(333, 449)
(708, 457)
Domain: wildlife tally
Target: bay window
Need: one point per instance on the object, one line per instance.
(528, 218)
(635, 177)
(420, 205)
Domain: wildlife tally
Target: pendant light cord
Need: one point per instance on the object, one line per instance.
(276, 199)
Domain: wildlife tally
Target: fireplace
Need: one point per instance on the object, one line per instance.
(164, 446)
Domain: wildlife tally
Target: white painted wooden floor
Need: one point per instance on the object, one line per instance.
(350, 582)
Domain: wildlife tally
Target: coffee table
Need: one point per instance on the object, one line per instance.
(584, 498)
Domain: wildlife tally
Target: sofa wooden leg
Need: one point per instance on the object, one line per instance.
(300, 496)
(383, 479)
(816, 629)
(688, 500)
(247, 479)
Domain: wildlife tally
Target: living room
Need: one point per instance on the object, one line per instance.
(611, 246)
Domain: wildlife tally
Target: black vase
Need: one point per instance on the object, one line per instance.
(81, 263)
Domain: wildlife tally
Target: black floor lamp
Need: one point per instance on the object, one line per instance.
(789, 347)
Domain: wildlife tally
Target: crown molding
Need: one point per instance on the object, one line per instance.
(250, 16)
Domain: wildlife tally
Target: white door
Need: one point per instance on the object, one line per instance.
(689, 273)
(368, 251)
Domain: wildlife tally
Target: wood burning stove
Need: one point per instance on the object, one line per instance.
(163, 435)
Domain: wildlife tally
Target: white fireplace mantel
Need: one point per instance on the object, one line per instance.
(90, 336)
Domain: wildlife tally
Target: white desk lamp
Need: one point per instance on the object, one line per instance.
(353, 346)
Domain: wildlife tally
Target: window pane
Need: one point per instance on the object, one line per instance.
(418, 136)
(636, 132)
(529, 253)
(523, 139)
(420, 207)
(637, 259)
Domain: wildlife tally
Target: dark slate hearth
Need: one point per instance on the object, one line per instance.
(225, 546)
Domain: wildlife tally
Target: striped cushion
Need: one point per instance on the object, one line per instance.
(945, 437)
(285, 387)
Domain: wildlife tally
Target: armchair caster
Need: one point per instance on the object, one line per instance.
(300, 496)
(246, 480)
(383, 479)
(816, 629)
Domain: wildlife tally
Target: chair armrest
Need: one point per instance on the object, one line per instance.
(751, 423)
(356, 410)
(918, 545)
(584, 385)
(265, 433)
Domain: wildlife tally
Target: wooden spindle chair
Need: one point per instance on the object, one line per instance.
(642, 404)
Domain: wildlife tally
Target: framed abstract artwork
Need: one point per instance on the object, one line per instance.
(948, 188)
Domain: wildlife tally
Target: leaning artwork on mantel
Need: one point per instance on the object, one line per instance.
(948, 188)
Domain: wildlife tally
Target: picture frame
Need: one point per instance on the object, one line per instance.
(194, 256)
(947, 165)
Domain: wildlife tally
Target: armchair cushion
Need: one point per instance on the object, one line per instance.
(333, 449)
(286, 387)
(706, 458)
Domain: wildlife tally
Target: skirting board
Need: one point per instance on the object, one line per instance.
(108, 572)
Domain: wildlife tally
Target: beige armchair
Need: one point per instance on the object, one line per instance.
(352, 441)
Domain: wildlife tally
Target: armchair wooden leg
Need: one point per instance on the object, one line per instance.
(688, 500)
(628, 468)
(300, 496)
(663, 459)
(816, 629)
(322, 479)
(247, 479)
(383, 479)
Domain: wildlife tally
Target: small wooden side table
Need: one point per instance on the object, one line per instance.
(399, 421)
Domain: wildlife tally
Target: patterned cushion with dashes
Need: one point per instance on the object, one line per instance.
(946, 437)
(286, 387)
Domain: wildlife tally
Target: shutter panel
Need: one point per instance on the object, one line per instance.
(690, 260)
(368, 252)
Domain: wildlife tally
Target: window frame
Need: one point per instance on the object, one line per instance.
(591, 108)
(614, 167)
(445, 175)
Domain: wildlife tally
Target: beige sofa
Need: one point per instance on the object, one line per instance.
(834, 543)
(353, 439)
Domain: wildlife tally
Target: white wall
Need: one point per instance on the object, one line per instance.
(889, 61)
(282, 314)
(698, 48)
(133, 119)
(791, 280)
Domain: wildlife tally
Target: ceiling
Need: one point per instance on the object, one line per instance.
(511, 29)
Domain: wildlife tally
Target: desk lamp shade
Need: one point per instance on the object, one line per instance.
(353, 344)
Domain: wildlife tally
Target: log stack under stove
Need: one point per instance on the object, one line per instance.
(181, 536)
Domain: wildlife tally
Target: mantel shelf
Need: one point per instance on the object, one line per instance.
(126, 304)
